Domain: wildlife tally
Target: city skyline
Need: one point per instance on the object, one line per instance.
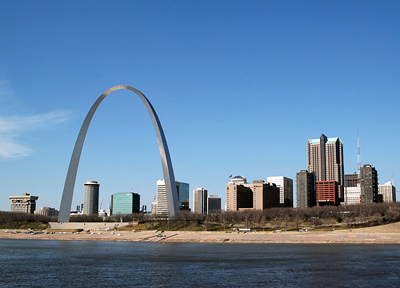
(312, 68)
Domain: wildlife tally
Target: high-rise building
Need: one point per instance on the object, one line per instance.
(325, 159)
(305, 186)
(351, 180)
(125, 203)
(327, 193)
(91, 200)
(258, 195)
(388, 192)
(183, 196)
(285, 186)
(25, 203)
(200, 201)
(213, 204)
(369, 184)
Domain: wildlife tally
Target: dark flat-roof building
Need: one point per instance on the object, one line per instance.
(351, 180)
(213, 204)
(369, 184)
(305, 186)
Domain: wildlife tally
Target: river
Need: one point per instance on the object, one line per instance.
(51, 263)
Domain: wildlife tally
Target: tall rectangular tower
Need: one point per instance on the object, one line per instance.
(183, 196)
(305, 185)
(325, 159)
(200, 201)
(369, 184)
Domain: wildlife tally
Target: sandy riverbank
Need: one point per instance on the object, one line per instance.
(385, 234)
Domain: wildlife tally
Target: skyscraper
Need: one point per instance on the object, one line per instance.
(183, 195)
(91, 201)
(285, 186)
(369, 184)
(325, 159)
(200, 201)
(305, 185)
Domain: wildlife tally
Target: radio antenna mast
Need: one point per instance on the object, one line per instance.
(358, 157)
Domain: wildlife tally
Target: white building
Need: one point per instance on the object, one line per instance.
(46, 211)
(352, 195)
(154, 207)
(285, 188)
(162, 208)
(200, 201)
(388, 192)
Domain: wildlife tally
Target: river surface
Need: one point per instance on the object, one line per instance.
(51, 263)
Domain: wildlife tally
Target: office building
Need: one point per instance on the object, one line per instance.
(285, 186)
(238, 194)
(369, 184)
(327, 193)
(125, 203)
(25, 203)
(388, 192)
(265, 195)
(183, 197)
(351, 180)
(305, 186)
(352, 195)
(213, 204)
(200, 201)
(258, 195)
(91, 200)
(325, 159)
(46, 211)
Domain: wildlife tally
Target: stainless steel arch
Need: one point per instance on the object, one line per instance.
(172, 195)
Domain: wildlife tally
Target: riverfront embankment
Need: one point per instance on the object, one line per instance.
(385, 234)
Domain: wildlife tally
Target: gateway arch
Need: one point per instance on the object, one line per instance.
(172, 195)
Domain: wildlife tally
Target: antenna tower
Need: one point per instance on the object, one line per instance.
(358, 156)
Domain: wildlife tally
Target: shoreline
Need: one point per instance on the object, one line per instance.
(311, 237)
(384, 234)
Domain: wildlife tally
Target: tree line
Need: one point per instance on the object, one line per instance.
(359, 215)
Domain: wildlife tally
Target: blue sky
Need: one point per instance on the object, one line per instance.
(239, 87)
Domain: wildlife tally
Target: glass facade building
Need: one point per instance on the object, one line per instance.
(125, 203)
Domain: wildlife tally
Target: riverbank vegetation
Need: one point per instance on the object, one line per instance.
(285, 219)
